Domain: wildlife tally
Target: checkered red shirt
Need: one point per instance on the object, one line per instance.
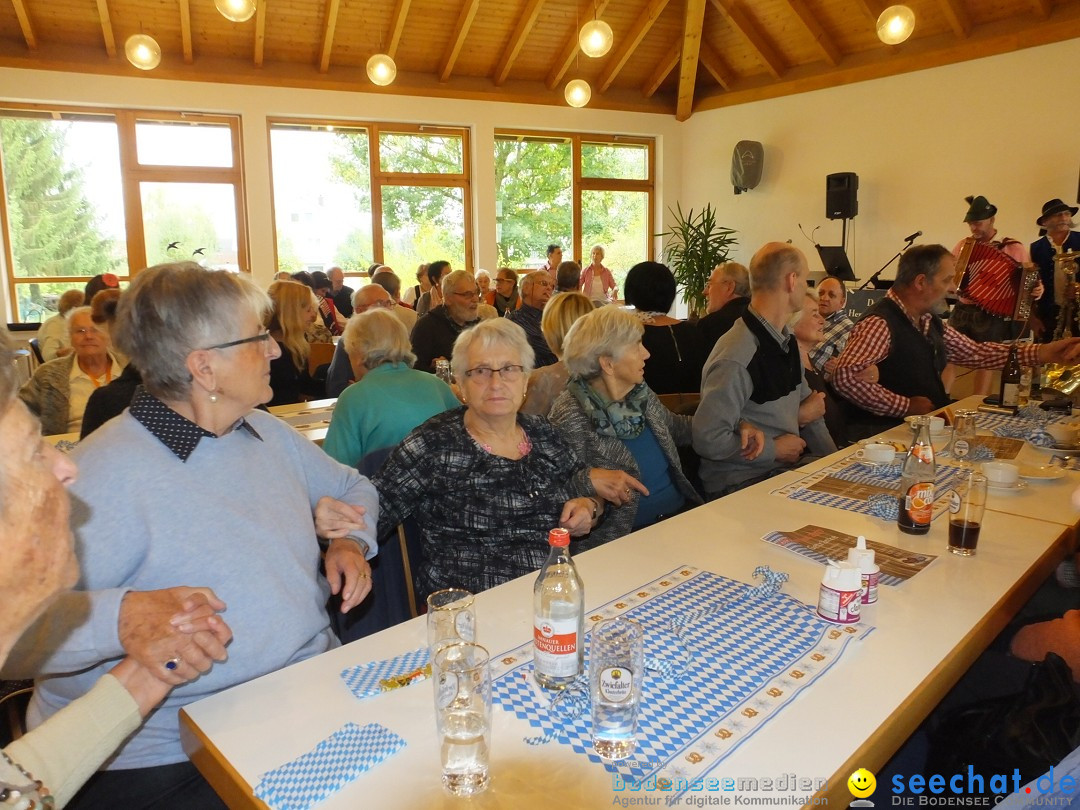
(870, 342)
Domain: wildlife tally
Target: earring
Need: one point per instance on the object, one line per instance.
(213, 397)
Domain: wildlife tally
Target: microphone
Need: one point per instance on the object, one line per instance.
(913, 237)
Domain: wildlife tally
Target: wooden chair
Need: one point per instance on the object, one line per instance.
(321, 354)
(14, 697)
(685, 404)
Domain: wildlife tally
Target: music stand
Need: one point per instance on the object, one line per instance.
(835, 261)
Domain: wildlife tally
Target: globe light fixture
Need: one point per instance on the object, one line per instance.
(381, 69)
(895, 24)
(578, 93)
(595, 38)
(236, 10)
(142, 51)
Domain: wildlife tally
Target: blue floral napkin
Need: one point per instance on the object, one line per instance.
(363, 680)
(328, 767)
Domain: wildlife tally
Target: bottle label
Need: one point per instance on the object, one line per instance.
(555, 643)
(465, 625)
(923, 452)
(919, 503)
(1010, 394)
(954, 502)
(961, 448)
(616, 684)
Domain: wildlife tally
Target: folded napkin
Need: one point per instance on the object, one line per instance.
(328, 767)
(363, 680)
(1036, 435)
(979, 452)
(883, 506)
(888, 472)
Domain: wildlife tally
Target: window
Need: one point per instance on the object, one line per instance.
(331, 207)
(577, 191)
(86, 192)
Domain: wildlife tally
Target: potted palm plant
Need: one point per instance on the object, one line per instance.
(693, 246)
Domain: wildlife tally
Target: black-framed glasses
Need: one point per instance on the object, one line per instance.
(264, 336)
(509, 373)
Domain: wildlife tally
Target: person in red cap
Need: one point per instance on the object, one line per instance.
(1057, 237)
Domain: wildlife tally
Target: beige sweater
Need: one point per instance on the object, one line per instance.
(71, 745)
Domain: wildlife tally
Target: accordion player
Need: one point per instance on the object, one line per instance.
(995, 292)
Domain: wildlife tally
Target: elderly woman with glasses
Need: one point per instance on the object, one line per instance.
(485, 482)
(389, 397)
(614, 419)
(505, 296)
(194, 484)
(59, 389)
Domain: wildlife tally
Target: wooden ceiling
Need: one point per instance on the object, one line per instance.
(673, 56)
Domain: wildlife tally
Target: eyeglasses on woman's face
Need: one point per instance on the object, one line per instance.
(262, 336)
(508, 373)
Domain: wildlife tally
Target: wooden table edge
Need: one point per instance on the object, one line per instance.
(218, 771)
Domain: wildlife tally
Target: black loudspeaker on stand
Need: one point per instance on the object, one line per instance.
(841, 195)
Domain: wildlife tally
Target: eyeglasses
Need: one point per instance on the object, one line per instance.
(86, 330)
(466, 294)
(510, 373)
(502, 280)
(264, 336)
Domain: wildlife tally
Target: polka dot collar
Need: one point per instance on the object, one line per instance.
(176, 432)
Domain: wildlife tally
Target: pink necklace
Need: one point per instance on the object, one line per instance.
(524, 446)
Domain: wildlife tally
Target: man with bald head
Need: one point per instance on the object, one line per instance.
(755, 375)
(341, 295)
(832, 301)
(339, 376)
(535, 291)
(727, 294)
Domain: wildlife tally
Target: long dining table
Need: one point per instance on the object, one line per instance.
(926, 632)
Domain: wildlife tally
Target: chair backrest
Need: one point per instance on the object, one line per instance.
(684, 404)
(14, 698)
(320, 355)
(35, 344)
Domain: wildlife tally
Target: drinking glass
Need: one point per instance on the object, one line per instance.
(450, 618)
(616, 670)
(966, 514)
(462, 681)
(963, 435)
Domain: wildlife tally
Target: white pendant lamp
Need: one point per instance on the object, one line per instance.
(381, 69)
(895, 24)
(577, 93)
(595, 38)
(143, 51)
(236, 10)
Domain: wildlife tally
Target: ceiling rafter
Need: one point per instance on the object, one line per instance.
(587, 9)
(746, 26)
(693, 19)
(716, 66)
(821, 37)
(185, 30)
(329, 26)
(457, 41)
(525, 24)
(958, 17)
(106, 28)
(397, 26)
(633, 38)
(1042, 7)
(260, 33)
(24, 24)
(871, 8)
(663, 70)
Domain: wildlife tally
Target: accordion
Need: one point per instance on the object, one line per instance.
(995, 281)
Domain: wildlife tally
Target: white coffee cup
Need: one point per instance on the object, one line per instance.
(878, 453)
(1064, 433)
(1000, 473)
(937, 424)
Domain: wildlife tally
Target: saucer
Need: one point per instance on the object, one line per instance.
(1041, 472)
(1067, 449)
(993, 486)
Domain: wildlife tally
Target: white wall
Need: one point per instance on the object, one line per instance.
(1007, 127)
(255, 104)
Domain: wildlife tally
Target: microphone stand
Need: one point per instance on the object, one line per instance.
(899, 253)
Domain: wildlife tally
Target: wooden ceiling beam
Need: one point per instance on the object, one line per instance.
(663, 70)
(24, 24)
(716, 66)
(633, 38)
(1042, 7)
(329, 26)
(457, 41)
(260, 32)
(185, 30)
(871, 8)
(821, 37)
(106, 28)
(693, 19)
(746, 26)
(586, 9)
(525, 24)
(397, 26)
(958, 17)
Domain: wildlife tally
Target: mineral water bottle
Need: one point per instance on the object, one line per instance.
(616, 671)
(558, 617)
(917, 481)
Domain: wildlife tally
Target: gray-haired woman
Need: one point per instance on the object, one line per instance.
(191, 483)
(389, 397)
(485, 482)
(614, 420)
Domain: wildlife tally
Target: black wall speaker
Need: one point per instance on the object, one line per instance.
(841, 195)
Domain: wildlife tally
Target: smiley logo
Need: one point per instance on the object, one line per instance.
(861, 783)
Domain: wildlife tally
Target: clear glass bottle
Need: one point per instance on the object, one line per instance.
(963, 437)
(558, 617)
(916, 498)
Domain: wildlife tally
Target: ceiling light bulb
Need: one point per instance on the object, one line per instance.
(895, 24)
(578, 93)
(595, 38)
(381, 69)
(236, 10)
(142, 51)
